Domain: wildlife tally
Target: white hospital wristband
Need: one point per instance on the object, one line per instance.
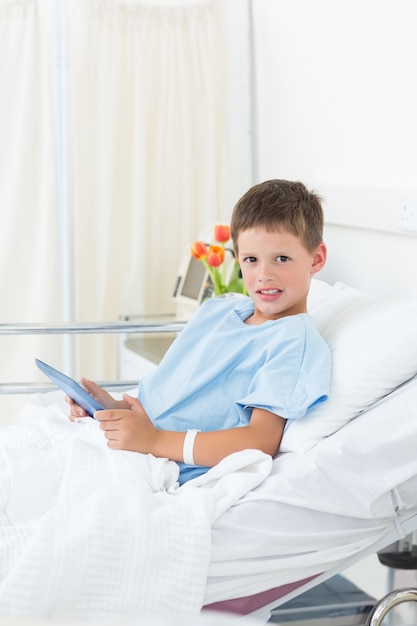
(187, 452)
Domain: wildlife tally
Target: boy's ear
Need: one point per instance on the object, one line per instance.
(319, 259)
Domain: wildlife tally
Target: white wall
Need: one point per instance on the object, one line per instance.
(337, 109)
(337, 96)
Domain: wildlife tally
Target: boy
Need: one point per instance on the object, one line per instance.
(244, 365)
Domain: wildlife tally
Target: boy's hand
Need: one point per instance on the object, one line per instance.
(128, 429)
(99, 394)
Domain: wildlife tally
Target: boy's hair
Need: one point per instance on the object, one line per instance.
(280, 205)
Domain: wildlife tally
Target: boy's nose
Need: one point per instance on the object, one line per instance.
(265, 274)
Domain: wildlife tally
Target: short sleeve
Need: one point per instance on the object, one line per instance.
(294, 379)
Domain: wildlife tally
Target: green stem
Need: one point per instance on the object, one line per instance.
(218, 286)
(224, 266)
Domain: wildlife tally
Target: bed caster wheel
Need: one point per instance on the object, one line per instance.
(387, 603)
(401, 554)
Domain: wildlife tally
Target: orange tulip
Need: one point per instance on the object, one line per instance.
(199, 250)
(215, 256)
(222, 233)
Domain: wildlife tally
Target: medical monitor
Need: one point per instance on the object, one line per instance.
(193, 284)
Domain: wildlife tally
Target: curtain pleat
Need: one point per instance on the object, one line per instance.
(29, 276)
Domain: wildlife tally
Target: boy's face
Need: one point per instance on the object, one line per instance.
(277, 270)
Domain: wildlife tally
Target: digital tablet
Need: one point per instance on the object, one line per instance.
(71, 388)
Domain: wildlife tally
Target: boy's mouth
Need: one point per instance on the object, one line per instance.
(269, 292)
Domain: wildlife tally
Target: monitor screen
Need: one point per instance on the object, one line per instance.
(193, 279)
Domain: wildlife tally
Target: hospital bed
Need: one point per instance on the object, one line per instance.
(344, 485)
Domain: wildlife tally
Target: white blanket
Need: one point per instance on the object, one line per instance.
(87, 532)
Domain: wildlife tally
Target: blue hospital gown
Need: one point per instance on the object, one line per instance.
(218, 368)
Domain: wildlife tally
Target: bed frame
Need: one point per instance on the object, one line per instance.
(259, 606)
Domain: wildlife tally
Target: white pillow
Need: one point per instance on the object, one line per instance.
(374, 349)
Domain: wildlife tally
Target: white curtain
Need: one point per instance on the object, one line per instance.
(159, 148)
(29, 273)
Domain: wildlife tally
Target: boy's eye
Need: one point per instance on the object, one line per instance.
(282, 258)
(249, 259)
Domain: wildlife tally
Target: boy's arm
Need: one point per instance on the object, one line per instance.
(264, 432)
(133, 430)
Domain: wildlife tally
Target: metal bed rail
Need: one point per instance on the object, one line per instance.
(75, 328)
(91, 328)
